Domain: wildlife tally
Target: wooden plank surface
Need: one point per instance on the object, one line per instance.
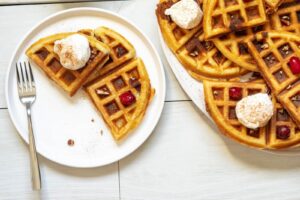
(58, 182)
(185, 158)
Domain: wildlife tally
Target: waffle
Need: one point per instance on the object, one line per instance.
(282, 118)
(174, 36)
(105, 94)
(287, 17)
(272, 5)
(233, 47)
(272, 51)
(43, 55)
(121, 50)
(206, 61)
(222, 110)
(224, 16)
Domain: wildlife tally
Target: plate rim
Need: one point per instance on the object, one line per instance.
(159, 109)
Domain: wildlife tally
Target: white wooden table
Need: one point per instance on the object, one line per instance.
(185, 158)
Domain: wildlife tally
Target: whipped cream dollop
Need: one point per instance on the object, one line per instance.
(255, 111)
(73, 51)
(186, 14)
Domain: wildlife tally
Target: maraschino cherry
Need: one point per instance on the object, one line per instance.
(295, 65)
(283, 132)
(127, 98)
(235, 93)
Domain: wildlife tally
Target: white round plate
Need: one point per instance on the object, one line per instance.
(194, 89)
(58, 118)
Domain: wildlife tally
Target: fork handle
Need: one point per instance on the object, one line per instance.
(35, 169)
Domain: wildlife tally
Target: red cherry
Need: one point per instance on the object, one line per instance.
(235, 93)
(283, 132)
(127, 98)
(295, 65)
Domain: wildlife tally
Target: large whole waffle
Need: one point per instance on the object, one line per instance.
(224, 16)
(42, 53)
(222, 110)
(226, 45)
(200, 57)
(105, 93)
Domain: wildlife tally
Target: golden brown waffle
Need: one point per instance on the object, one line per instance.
(205, 61)
(280, 119)
(121, 50)
(43, 55)
(287, 18)
(106, 90)
(174, 36)
(272, 51)
(234, 48)
(272, 5)
(224, 16)
(233, 45)
(222, 109)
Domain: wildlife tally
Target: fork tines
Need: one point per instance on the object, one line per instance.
(25, 77)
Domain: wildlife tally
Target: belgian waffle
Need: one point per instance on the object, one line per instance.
(224, 16)
(106, 90)
(121, 50)
(233, 46)
(281, 118)
(287, 18)
(222, 109)
(205, 60)
(201, 59)
(174, 36)
(42, 53)
(272, 5)
(272, 51)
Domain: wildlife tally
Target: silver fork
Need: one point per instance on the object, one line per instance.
(27, 94)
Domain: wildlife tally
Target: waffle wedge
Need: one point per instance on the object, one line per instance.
(224, 16)
(121, 50)
(42, 53)
(282, 119)
(287, 17)
(174, 36)
(272, 5)
(205, 60)
(106, 90)
(222, 110)
(273, 51)
(234, 48)
(233, 45)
